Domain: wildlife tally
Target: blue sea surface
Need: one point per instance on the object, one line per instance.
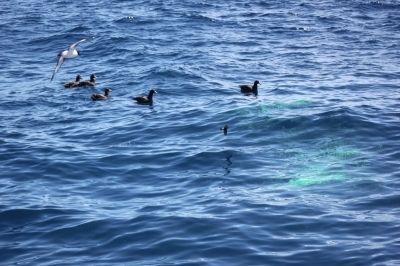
(308, 174)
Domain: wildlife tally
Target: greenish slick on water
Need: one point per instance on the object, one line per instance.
(272, 107)
(324, 166)
(278, 105)
(316, 175)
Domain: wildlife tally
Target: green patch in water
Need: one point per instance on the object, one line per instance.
(265, 108)
(325, 165)
(345, 153)
(316, 175)
(341, 153)
(285, 105)
(314, 179)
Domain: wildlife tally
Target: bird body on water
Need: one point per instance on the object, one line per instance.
(148, 100)
(250, 89)
(88, 83)
(73, 84)
(100, 97)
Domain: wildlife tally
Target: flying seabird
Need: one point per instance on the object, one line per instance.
(72, 52)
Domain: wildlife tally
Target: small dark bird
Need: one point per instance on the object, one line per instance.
(99, 97)
(145, 99)
(73, 84)
(225, 129)
(88, 83)
(250, 89)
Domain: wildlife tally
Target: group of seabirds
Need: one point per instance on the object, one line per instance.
(72, 52)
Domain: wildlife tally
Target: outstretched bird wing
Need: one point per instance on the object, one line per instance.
(59, 63)
(73, 46)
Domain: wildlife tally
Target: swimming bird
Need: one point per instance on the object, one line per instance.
(250, 89)
(73, 84)
(91, 82)
(145, 99)
(99, 97)
(72, 52)
(225, 129)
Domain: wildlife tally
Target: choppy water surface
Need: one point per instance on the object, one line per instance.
(307, 175)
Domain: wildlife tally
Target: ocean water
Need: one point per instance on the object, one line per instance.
(308, 174)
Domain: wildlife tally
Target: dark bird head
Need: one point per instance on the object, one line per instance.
(151, 92)
(78, 78)
(107, 91)
(92, 78)
(255, 87)
(79, 53)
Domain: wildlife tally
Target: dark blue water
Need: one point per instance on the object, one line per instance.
(307, 175)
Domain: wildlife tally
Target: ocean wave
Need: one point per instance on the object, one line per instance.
(172, 73)
(379, 5)
(194, 16)
(132, 20)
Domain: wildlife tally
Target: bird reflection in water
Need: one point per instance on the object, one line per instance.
(228, 164)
